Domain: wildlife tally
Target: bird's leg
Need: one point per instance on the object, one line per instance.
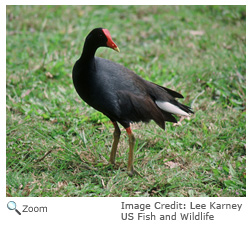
(116, 135)
(130, 169)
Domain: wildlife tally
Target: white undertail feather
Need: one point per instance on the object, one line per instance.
(171, 108)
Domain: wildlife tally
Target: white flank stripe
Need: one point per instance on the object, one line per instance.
(168, 107)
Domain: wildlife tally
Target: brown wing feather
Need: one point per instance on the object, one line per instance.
(139, 108)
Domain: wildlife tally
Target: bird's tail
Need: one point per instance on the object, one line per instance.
(174, 108)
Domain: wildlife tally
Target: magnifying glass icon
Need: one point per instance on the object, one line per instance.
(12, 206)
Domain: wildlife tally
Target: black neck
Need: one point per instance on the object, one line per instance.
(88, 52)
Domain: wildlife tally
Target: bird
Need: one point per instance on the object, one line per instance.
(120, 94)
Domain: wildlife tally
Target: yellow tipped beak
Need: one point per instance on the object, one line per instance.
(116, 49)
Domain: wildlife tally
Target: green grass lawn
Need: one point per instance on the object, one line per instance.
(59, 146)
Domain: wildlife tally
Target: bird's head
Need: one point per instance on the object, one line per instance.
(101, 37)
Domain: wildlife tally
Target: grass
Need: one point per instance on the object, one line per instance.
(59, 146)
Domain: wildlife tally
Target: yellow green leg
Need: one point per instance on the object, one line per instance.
(116, 136)
(130, 168)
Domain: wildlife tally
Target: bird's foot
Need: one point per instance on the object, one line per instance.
(132, 172)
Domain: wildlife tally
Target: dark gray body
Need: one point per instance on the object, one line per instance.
(120, 94)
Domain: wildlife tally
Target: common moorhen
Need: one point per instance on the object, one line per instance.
(120, 94)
